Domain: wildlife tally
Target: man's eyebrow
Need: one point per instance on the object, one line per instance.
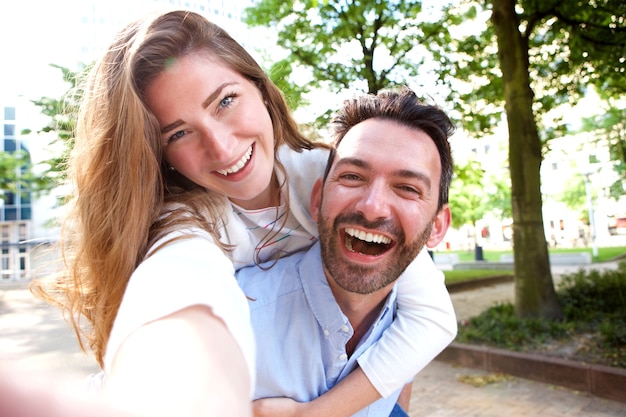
(410, 174)
(214, 95)
(352, 161)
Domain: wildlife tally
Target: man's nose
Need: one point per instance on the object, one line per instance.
(374, 203)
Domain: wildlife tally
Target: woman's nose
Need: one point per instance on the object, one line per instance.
(218, 141)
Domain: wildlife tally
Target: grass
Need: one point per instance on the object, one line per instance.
(604, 253)
(452, 276)
(459, 275)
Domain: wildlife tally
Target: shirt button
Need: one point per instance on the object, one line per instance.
(343, 357)
(326, 332)
(344, 328)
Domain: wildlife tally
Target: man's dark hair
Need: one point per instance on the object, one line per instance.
(405, 108)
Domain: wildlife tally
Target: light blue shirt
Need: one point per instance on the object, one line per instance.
(301, 332)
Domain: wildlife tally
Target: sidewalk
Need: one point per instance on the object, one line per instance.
(36, 338)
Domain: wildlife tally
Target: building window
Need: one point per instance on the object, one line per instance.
(9, 145)
(9, 113)
(9, 130)
(10, 214)
(25, 212)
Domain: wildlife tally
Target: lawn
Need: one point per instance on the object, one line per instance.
(604, 254)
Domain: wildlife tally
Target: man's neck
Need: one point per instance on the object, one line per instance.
(360, 309)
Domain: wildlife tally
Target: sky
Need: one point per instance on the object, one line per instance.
(36, 33)
(31, 41)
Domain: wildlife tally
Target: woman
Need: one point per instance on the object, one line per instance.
(179, 181)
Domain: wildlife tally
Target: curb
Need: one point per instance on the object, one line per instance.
(599, 380)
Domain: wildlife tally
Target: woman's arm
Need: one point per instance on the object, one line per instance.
(185, 364)
(350, 395)
(424, 326)
(182, 343)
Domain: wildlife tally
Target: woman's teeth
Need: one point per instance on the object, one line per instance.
(235, 168)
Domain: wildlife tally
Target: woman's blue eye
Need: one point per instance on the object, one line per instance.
(177, 135)
(226, 101)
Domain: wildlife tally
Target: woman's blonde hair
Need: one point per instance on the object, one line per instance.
(125, 197)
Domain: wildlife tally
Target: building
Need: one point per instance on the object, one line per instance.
(15, 206)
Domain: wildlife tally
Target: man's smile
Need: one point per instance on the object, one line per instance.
(366, 243)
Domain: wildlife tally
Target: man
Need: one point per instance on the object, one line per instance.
(383, 197)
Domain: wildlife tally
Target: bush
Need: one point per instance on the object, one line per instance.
(594, 306)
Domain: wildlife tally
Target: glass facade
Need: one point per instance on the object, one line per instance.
(15, 206)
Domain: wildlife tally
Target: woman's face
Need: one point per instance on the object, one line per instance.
(216, 129)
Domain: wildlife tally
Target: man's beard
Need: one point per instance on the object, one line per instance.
(365, 279)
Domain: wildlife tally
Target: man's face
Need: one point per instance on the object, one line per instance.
(378, 207)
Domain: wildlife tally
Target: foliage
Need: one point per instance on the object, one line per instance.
(62, 113)
(473, 195)
(15, 172)
(594, 303)
(610, 127)
(353, 45)
(571, 45)
(469, 202)
(574, 195)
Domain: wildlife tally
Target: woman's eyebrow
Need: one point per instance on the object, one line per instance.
(215, 94)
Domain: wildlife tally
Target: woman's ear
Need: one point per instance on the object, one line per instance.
(316, 199)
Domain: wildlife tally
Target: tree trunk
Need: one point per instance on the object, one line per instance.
(535, 295)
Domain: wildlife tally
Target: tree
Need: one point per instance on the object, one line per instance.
(545, 54)
(473, 196)
(15, 172)
(358, 45)
(62, 113)
(610, 127)
(583, 34)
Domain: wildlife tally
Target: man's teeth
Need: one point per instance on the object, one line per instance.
(368, 236)
(238, 165)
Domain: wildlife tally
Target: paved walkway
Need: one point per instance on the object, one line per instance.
(35, 337)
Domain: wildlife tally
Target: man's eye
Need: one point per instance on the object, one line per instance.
(409, 189)
(177, 135)
(350, 177)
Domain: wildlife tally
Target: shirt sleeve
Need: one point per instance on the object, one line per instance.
(424, 326)
(186, 272)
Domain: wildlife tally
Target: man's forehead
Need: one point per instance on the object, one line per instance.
(388, 144)
(378, 135)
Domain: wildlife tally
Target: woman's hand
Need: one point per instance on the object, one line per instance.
(277, 407)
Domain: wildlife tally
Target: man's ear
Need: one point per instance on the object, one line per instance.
(441, 223)
(316, 199)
